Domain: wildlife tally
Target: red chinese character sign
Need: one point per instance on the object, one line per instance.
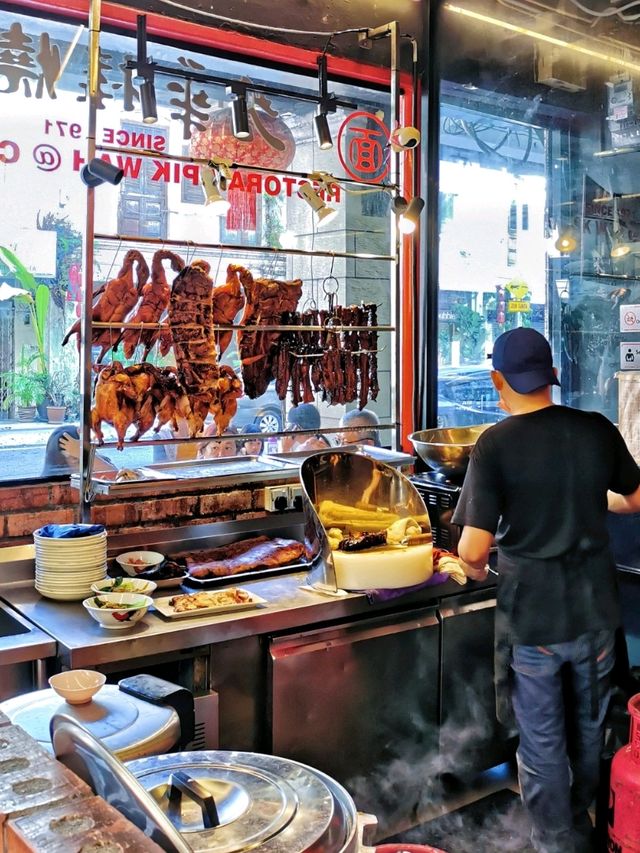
(270, 146)
(363, 147)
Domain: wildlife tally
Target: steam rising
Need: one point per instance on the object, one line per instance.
(414, 789)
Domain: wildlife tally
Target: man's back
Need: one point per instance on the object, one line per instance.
(553, 468)
(540, 480)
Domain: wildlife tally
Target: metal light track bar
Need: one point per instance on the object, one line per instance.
(227, 247)
(268, 170)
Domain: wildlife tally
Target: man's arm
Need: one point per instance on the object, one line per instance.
(624, 503)
(473, 550)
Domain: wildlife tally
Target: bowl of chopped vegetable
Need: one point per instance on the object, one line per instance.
(121, 584)
(117, 610)
(134, 562)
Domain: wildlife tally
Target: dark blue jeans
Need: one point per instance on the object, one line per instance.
(559, 751)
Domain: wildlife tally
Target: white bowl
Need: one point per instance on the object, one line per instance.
(134, 606)
(134, 562)
(78, 685)
(127, 585)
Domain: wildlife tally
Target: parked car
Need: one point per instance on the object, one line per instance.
(266, 412)
(466, 396)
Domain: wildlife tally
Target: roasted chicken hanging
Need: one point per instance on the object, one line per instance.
(228, 299)
(115, 300)
(225, 404)
(137, 395)
(114, 402)
(153, 304)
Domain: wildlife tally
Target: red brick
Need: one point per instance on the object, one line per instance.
(26, 497)
(172, 508)
(225, 502)
(62, 495)
(23, 524)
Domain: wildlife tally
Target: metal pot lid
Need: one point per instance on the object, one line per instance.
(263, 802)
(129, 727)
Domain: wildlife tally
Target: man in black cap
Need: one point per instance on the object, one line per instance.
(541, 481)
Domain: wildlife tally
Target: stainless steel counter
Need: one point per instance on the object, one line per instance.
(81, 642)
(30, 644)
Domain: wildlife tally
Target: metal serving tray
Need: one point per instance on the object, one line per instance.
(243, 577)
(192, 472)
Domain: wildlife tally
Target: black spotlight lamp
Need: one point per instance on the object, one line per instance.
(326, 104)
(100, 172)
(148, 100)
(144, 68)
(239, 111)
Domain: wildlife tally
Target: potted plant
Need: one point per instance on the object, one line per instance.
(25, 389)
(58, 390)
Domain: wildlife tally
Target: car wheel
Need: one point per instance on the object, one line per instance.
(268, 422)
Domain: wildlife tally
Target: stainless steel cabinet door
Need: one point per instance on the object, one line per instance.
(360, 702)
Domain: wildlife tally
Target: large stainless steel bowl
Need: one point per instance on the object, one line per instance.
(447, 450)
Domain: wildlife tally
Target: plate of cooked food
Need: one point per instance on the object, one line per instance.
(208, 602)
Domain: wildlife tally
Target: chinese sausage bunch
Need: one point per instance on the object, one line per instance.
(185, 316)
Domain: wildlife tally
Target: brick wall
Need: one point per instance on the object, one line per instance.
(25, 508)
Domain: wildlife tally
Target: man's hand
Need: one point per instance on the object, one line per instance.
(472, 573)
(70, 447)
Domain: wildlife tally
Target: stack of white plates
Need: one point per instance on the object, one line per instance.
(66, 568)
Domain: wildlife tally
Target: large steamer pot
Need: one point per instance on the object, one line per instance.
(218, 801)
(447, 450)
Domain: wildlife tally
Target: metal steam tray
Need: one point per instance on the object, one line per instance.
(192, 472)
(243, 577)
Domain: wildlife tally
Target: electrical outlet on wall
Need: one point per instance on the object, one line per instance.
(276, 498)
(295, 497)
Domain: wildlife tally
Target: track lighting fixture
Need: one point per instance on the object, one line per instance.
(408, 213)
(324, 213)
(213, 197)
(326, 104)
(322, 129)
(408, 221)
(148, 100)
(100, 172)
(239, 112)
(620, 249)
(404, 139)
(145, 74)
(567, 241)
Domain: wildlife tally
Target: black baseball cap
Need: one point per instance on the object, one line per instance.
(523, 356)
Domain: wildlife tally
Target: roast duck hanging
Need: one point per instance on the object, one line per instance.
(336, 357)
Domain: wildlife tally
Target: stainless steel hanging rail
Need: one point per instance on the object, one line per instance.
(249, 436)
(231, 328)
(183, 158)
(226, 247)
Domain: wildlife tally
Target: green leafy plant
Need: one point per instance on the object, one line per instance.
(59, 388)
(25, 386)
(36, 297)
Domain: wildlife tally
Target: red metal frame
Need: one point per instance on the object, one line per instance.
(300, 59)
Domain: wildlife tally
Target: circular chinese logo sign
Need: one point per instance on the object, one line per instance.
(363, 147)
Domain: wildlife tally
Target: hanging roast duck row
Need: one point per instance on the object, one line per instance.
(340, 363)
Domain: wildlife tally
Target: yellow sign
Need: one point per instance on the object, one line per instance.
(517, 289)
(514, 305)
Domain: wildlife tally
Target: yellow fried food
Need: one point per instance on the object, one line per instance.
(344, 517)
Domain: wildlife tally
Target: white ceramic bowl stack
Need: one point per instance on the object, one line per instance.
(66, 568)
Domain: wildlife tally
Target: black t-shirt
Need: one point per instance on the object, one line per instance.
(539, 481)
